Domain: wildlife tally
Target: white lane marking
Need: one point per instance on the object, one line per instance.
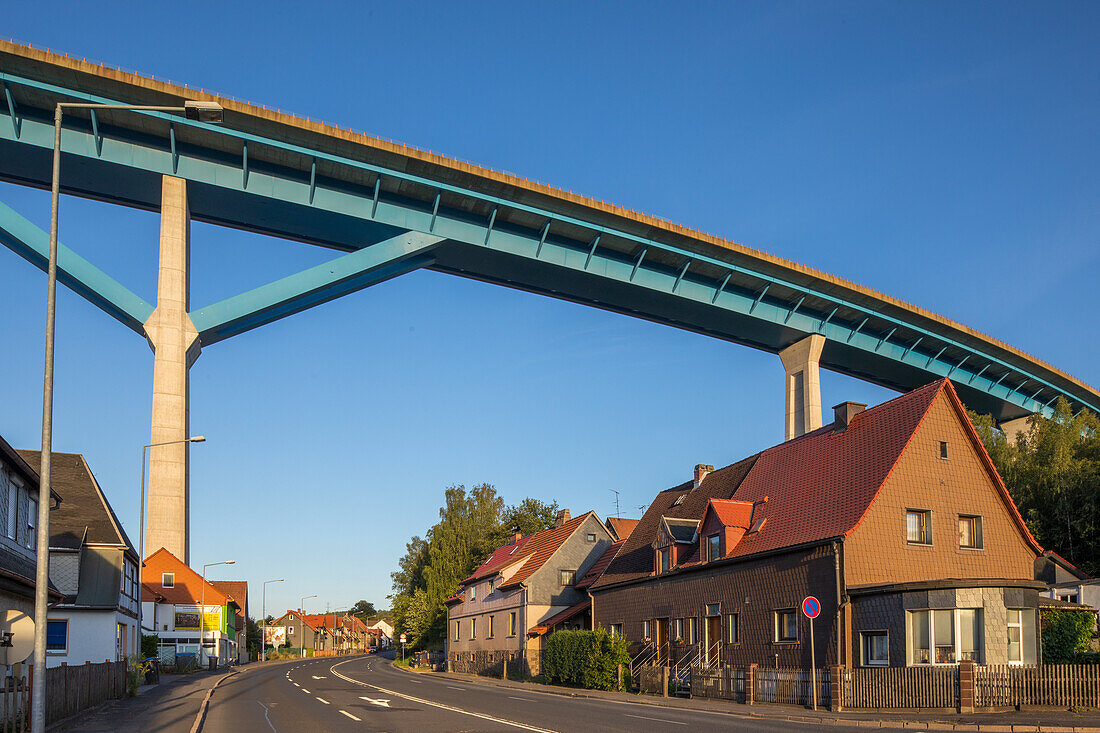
(304, 690)
(318, 678)
(322, 700)
(659, 720)
(269, 725)
(345, 712)
(525, 699)
(380, 702)
(440, 705)
(297, 685)
(460, 689)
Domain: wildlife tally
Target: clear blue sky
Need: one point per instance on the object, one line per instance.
(944, 153)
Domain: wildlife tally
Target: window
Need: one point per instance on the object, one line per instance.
(876, 648)
(57, 636)
(490, 627)
(473, 628)
(679, 500)
(944, 636)
(918, 526)
(970, 532)
(693, 630)
(712, 609)
(712, 548)
(1015, 636)
(679, 628)
(1064, 596)
(734, 628)
(290, 629)
(168, 580)
(490, 588)
(568, 578)
(512, 623)
(943, 449)
(32, 518)
(473, 592)
(662, 560)
(590, 537)
(645, 629)
(13, 508)
(786, 625)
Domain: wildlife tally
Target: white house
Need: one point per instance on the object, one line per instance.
(93, 565)
(385, 627)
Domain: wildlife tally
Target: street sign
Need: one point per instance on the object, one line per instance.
(16, 637)
(811, 607)
(403, 639)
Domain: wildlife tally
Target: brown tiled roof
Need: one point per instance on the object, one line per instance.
(542, 545)
(621, 527)
(558, 618)
(809, 489)
(298, 615)
(600, 566)
(188, 585)
(83, 506)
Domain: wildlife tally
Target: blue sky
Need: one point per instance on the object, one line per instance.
(944, 153)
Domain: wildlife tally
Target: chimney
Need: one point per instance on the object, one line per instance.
(515, 535)
(843, 414)
(701, 471)
(562, 518)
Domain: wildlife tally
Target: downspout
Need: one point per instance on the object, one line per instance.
(839, 598)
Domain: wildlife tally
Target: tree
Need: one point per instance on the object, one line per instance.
(363, 610)
(1053, 475)
(528, 517)
(254, 638)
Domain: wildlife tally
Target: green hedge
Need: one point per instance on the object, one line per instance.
(587, 659)
(1066, 634)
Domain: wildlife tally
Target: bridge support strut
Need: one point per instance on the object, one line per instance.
(175, 343)
(803, 388)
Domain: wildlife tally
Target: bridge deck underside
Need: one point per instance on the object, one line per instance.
(243, 180)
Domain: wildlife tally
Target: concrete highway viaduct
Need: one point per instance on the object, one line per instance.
(391, 209)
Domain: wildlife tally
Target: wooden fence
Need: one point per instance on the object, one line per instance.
(723, 682)
(900, 687)
(70, 689)
(486, 662)
(15, 698)
(789, 686)
(1060, 685)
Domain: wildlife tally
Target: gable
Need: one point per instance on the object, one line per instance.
(876, 551)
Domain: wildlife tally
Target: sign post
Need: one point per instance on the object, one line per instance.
(403, 637)
(812, 607)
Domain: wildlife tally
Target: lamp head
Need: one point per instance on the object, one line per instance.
(197, 439)
(203, 111)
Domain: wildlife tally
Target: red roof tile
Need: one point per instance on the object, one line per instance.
(532, 550)
(621, 527)
(558, 618)
(600, 566)
(188, 585)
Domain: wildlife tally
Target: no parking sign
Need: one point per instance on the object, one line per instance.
(811, 607)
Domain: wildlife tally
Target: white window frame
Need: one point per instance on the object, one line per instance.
(617, 629)
(976, 530)
(473, 628)
(473, 592)
(512, 623)
(645, 629)
(927, 513)
(693, 630)
(956, 626)
(733, 628)
(779, 612)
(863, 636)
(678, 627)
(60, 652)
(1019, 625)
(168, 580)
(14, 486)
(32, 522)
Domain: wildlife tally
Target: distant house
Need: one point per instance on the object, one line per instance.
(238, 591)
(521, 585)
(385, 630)
(341, 632)
(94, 565)
(301, 633)
(620, 528)
(18, 526)
(893, 517)
(177, 604)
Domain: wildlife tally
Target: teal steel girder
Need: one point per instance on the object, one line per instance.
(975, 368)
(33, 244)
(343, 275)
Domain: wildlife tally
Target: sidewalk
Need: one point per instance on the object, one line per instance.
(1034, 720)
(169, 706)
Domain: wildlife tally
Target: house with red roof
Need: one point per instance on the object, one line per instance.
(301, 633)
(179, 606)
(521, 585)
(893, 517)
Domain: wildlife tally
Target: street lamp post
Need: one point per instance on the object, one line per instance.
(202, 112)
(141, 527)
(263, 610)
(202, 608)
(302, 623)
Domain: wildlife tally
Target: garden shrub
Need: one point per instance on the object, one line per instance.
(1066, 634)
(588, 659)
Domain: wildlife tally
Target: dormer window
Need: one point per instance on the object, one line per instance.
(713, 551)
(663, 560)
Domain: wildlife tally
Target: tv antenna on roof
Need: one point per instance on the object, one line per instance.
(616, 493)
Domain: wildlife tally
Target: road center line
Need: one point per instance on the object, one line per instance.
(345, 712)
(322, 700)
(440, 705)
(659, 720)
(304, 690)
(460, 689)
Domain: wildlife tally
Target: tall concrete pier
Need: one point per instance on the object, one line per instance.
(803, 386)
(175, 343)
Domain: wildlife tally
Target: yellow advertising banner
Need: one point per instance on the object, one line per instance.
(187, 618)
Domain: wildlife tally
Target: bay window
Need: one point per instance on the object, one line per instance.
(944, 636)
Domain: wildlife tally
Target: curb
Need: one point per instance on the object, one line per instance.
(200, 718)
(1006, 727)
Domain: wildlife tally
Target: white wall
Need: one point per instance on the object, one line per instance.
(91, 636)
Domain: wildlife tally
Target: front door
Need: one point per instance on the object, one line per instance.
(712, 638)
(661, 638)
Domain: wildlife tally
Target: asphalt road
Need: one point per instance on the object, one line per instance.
(368, 694)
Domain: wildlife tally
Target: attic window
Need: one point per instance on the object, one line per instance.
(513, 549)
(168, 580)
(943, 449)
(679, 500)
(758, 525)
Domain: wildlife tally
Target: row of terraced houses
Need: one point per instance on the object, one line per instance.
(894, 517)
